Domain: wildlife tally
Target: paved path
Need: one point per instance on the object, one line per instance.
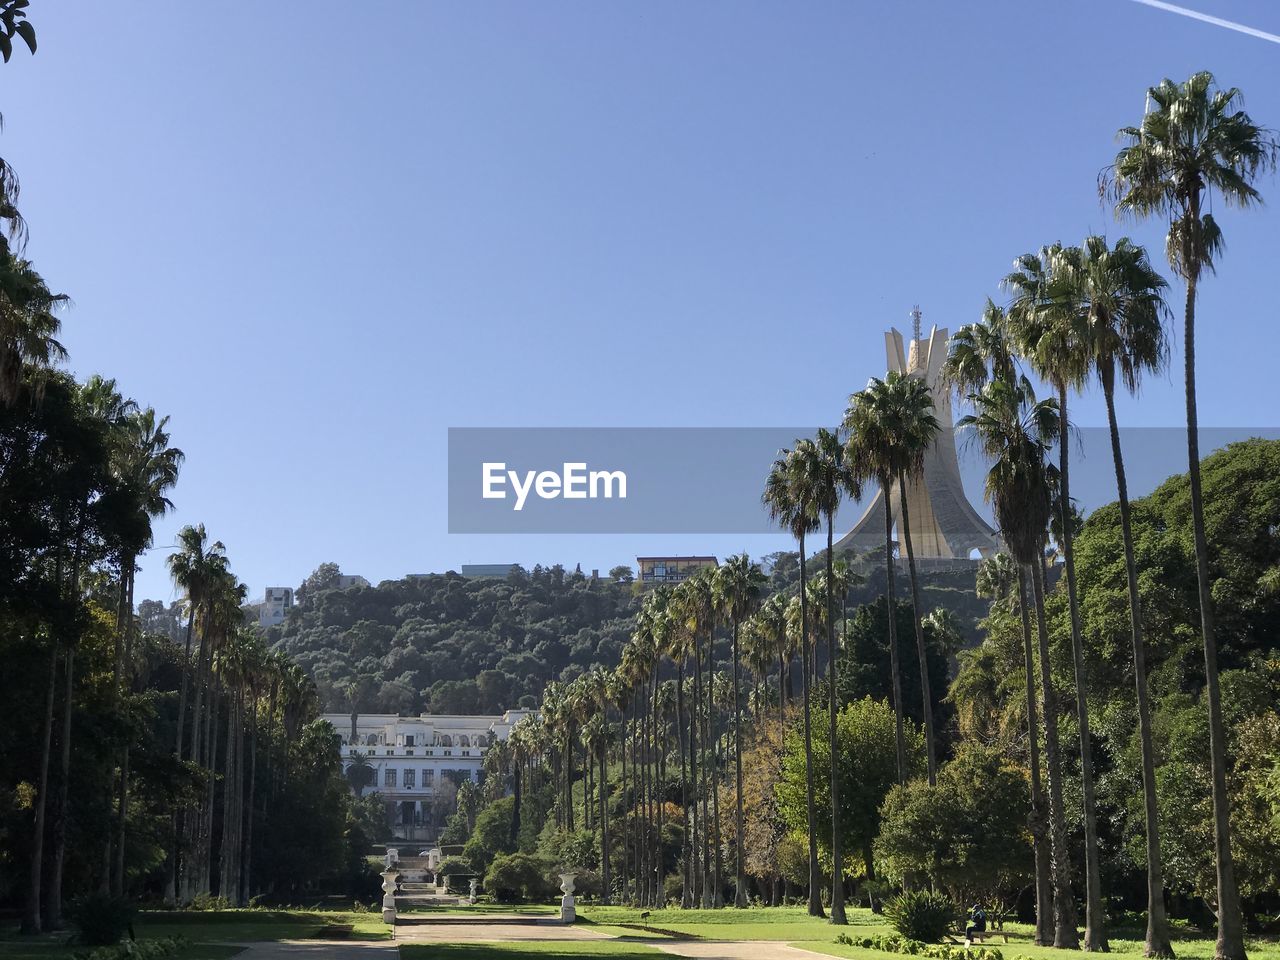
(733, 949)
(321, 950)
(493, 929)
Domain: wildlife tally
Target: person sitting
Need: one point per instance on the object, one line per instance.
(977, 923)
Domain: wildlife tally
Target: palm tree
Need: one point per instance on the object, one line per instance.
(148, 468)
(891, 426)
(788, 496)
(1195, 141)
(28, 324)
(772, 618)
(737, 584)
(833, 478)
(979, 354)
(1015, 431)
(997, 578)
(359, 772)
(1053, 330)
(1119, 296)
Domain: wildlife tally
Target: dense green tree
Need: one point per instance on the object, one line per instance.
(867, 756)
(966, 833)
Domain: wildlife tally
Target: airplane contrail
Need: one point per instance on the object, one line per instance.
(1206, 18)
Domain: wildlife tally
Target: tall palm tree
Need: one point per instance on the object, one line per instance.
(833, 479)
(1195, 141)
(738, 584)
(891, 426)
(148, 468)
(1119, 296)
(981, 353)
(788, 496)
(1053, 331)
(772, 617)
(1015, 431)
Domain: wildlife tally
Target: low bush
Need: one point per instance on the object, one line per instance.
(914, 948)
(921, 915)
(101, 920)
(136, 950)
(513, 877)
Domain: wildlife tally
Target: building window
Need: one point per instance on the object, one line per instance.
(428, 777)
(389, 777)
(408, 740)
(410, 779)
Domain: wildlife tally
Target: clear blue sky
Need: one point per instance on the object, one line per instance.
(317, 234)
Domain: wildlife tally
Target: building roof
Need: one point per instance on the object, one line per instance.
(701, 559)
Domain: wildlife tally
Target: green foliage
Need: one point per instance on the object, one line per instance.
(967, 834)
(446, 644)
(864, 660)
(916, 948)
(101, 920)
(867, 765)
(136, 950)
(456, 867)
(922, 915)
(515, 877)
(492, 835)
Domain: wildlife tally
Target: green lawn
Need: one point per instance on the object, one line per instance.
(1019, 945)
(789, 924)
(539, 949)
(794, 925)
(247, 925)
(210, 935)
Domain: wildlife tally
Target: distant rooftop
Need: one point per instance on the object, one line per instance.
(499, 570)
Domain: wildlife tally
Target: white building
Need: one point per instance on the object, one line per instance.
(275, 606)
(346, 580)
(417, 761)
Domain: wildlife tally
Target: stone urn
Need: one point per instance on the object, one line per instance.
(475, 894)
(389, 883)
(568, 913)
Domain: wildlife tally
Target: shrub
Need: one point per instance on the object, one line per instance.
(207, 901)
(515, 876)
(102, 920)
(914, 948)
(921, 915)
(136, 950)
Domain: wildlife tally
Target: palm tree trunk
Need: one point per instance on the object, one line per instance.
(1065, 935)
(815, 876)
(31, 917)
(659, 876)
(695, 744)
(740, 881)
(53, 900)
(122, 808)
(246, 887)
(709, 771)
(626, 817)
(891, 608)
(686, 844)
(605, 870)
(926, 694)
(837, 856)
(1037, 821)
(1157, 941)
(1095, 923)
(1230, 945)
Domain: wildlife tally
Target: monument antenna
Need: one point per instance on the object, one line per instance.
(915, 322)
